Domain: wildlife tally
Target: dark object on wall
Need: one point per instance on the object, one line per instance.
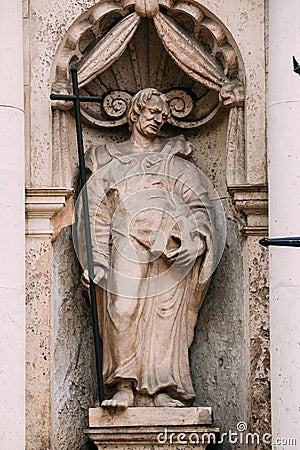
(281, 242)
(296, 66)
(76, 99)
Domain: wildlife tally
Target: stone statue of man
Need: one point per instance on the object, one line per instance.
(153, 257)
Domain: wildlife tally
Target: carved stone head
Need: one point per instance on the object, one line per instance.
(148, 111)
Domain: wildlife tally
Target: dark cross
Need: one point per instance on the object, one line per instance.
(76, 99)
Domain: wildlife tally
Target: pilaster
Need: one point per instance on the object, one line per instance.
(41, 206)
(251, 201)
(12, 304)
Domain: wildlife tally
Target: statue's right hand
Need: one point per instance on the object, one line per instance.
(85, 279)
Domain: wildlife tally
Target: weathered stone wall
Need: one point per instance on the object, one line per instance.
(38, 337)
(73, 366)
(259, 312)
(218, 353)
(229, 356)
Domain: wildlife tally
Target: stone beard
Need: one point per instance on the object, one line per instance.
(153, 257)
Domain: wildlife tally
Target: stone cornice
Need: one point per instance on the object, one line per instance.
(252, 201)
(41, 204)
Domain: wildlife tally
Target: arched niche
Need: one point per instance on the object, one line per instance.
(208, 107)
(118, 52)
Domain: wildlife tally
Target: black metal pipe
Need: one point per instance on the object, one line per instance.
(281, 242)
(296, 66)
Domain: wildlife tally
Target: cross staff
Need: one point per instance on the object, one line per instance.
(76, 99)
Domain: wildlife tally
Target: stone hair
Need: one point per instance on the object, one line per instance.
(139, 101)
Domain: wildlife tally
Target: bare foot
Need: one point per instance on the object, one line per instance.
(122, 399)
(163, 399)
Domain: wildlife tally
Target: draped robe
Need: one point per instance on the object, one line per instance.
(148, 306)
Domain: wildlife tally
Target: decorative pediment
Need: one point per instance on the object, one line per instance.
(122, 47)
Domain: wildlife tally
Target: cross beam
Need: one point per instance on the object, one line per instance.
(76, 99)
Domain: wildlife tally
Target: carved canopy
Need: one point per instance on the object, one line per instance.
(188, 59)
(179, 48)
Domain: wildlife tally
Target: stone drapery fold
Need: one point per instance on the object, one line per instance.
(189, 54)
(194, 60)
(108, 49)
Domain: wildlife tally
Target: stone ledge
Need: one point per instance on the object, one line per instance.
(153, 438)
(41, 204)
(151, 428)
(252, 201)
(150, 416)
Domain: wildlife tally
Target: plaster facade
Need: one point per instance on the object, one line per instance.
(12, 334)
(230, 353)
(283, 153)
(231, 344)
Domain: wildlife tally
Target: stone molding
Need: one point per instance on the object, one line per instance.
(252, 201)
(151, 428)
(41, 204)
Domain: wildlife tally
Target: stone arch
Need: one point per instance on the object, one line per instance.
(194, 101)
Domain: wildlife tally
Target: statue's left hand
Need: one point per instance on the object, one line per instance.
(187, 253)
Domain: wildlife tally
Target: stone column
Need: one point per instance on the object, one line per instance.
(12, 305)
(284, 179)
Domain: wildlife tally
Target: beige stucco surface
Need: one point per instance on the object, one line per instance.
(12, 331)
(283, 154)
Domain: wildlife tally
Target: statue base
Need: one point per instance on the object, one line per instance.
(151, 428)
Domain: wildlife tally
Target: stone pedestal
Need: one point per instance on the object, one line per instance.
(150, 428)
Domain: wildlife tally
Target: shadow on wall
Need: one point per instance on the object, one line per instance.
(218, 350)
(74, 374)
